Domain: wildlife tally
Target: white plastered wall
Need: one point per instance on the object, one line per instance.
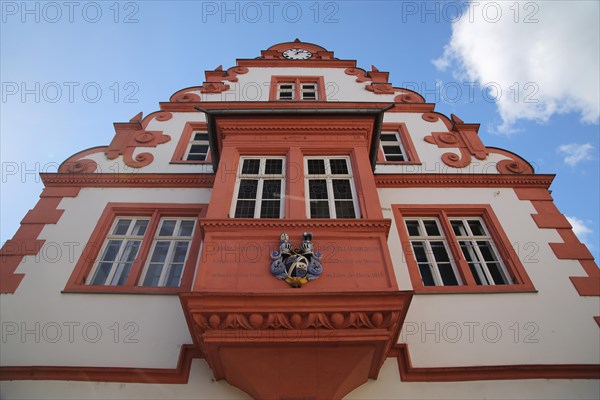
(498, 328)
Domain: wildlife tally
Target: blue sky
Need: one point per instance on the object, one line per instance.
(69, 71)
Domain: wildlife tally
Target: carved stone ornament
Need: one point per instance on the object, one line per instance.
(296, 266)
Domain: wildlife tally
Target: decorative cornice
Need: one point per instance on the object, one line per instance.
(382, 225)
(462, 180)
(128, 180)
(296, 320)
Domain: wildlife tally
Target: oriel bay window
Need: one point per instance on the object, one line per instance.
(458, 248)
(140, 248)
(330, 188)
(260, 188)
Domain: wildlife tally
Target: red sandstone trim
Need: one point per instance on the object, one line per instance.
(132, 180)
(25, 241)
(549, 217)
(519, 182)
(177, 375)
(408, 373)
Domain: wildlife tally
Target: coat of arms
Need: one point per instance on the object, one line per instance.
(296, 266)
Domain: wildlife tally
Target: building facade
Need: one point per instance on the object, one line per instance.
(297, 228)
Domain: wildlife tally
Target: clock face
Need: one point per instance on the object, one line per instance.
(297, 54)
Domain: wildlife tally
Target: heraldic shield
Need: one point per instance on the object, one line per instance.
(296, 266)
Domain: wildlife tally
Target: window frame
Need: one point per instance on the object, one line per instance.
(193, 142)
(329, 177)
(429, 254)
(154, 212)
(185, 143)
(297, 90)
(261, 177)
(445, 213)
(173, 241)
(406, 144)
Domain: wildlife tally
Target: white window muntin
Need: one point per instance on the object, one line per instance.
(168, 262)
(191, 153)
(479, 265)
(427, 239)
(396, 143)
(260, 177)
(329, 177)
(130, 243)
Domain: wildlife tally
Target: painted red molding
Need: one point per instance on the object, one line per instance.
(236, 105)
(522, 282)
(518, 182)
(177, 375)
(77, 280)
(129, 180)
(25, 241)
(549, 217)
(128, 137)
(408, 373)
(186, 95)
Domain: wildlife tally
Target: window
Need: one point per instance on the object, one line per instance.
(193, 145)
(458, 248)
(198, 147)
(169, 252)
(331, 192)
(479, 251)
(119, 251)
(430, 249)
(395, 145)
(260, 188)
(392, 147)
(297, 88)
(140, 248)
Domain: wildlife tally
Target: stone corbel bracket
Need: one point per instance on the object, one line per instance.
(260, 342)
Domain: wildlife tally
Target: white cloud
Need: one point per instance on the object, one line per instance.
(575, 153)
(543, 55)
(579, 228)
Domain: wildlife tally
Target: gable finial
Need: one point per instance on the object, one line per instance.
(296, 40)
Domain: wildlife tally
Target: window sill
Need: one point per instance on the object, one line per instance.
(399, 163)
(520, 288)
(190, 162)
(124, 290)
